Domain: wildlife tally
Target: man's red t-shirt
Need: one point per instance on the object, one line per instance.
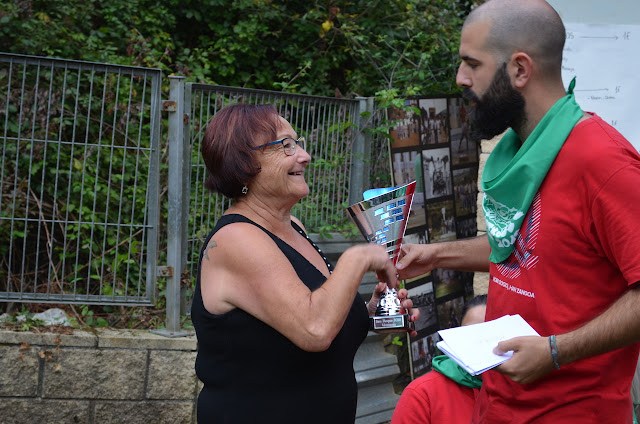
(577, 252)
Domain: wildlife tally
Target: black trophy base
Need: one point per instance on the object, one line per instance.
(391, 324)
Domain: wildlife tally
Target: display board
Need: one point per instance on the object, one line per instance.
(431, 144)
(602, 58)
(603, 39)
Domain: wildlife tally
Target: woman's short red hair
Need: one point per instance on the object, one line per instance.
(227, 142)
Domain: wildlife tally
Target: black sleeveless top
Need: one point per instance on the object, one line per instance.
(253, 374)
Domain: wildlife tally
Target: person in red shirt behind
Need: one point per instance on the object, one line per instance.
(448, 393)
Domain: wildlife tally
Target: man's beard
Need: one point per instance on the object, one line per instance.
(501, 107)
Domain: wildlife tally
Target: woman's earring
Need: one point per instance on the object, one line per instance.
(245, 189)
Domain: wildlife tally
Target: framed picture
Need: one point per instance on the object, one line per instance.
(441, 221)
(407, 132)
(434, 128)
(464, 150)
(465, 188)
(436, 173)
(423, 298)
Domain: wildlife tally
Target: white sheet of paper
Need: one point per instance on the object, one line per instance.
(472, 345)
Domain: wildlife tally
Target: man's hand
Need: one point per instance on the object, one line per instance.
(531, 358)
(415, 260)
(462, 255)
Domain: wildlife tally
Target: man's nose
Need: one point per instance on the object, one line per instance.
(461, 77)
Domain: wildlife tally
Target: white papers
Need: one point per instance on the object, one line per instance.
(471, 346)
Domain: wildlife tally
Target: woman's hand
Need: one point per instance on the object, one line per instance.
(406, 304)
(377, 259)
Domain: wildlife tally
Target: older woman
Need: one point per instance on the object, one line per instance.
(278, 326)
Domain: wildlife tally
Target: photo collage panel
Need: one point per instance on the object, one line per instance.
(432, 146)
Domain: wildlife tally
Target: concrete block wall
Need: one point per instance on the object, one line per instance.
(112, 376)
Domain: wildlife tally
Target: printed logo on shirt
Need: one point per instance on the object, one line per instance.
(522, 256)
(500, 221)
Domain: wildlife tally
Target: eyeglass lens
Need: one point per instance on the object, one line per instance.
(290, 145)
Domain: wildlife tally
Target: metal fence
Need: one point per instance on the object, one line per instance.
(78, 181)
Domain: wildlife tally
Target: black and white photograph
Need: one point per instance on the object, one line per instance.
(423, 351)
(465, 188)
(463, 149)
(441, 221)
(423, 299)
(404, 172)
(407, 132)
(404, 167)
(436, 173)
(466, 227)
(433, 121)
(449, 313)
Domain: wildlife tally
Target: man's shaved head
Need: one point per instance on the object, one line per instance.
(529, 26)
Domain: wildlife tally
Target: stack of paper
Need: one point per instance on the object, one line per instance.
(471, 346)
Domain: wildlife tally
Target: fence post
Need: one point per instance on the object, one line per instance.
(176, 207)
(361, 152)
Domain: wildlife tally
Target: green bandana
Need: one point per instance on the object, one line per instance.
(513, 173)
(447, 367)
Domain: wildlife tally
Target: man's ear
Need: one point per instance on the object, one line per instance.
(521, 66)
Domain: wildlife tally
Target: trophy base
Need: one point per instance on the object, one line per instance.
(391, 324)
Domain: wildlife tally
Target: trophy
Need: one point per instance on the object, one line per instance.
(382, 219)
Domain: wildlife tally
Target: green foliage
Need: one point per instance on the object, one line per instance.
(397, 341)
(323, 48)
(23, 321)
(90, 320)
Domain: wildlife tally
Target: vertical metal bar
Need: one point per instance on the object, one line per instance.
(200, 195)
(310, 146)
(175, 208)
(138, 149)
(109, 179)
(356, 178)
(153, 190)
(15, 184)
(185, 118)
(65, 230)
(123, 171)
(335, 141)
(49, 234)
(2, 168)
(84, 167)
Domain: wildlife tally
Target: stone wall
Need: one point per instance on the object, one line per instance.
(481, 279)
(109, 376)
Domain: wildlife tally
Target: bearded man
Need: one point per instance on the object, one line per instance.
(562, 190)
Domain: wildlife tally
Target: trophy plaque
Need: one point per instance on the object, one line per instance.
(382, 219)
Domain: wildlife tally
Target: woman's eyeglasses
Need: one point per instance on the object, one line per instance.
(288, 144)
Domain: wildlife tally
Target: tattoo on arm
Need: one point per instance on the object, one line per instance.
(209, 247)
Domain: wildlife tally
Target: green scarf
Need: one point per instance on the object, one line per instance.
(514, 172)
(447, 367)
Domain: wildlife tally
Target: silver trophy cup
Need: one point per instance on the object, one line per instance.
(382, 219)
